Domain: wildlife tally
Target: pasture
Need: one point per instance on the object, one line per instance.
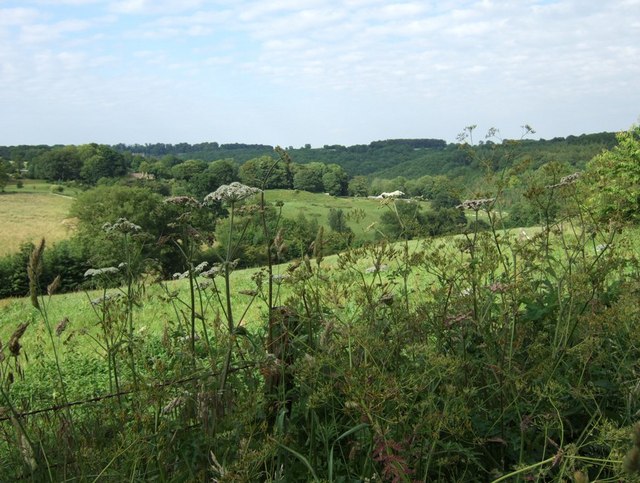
(31, 213)
(362, 213)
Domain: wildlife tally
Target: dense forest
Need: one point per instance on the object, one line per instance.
(383, 159)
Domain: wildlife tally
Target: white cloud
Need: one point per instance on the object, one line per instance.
(12, 17)
(448, 59)
(153, 7)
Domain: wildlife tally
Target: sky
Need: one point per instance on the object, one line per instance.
(292, 72)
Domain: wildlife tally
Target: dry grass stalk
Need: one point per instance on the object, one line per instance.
(54, 286)
(62, 325)
(14, 340)
(34, 270)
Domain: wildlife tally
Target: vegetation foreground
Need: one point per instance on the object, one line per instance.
(495, 355)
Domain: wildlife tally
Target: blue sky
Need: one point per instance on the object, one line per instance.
(292, 72)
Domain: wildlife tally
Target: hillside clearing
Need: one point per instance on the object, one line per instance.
(29, 216)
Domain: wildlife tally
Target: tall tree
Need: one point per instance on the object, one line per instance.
(222, 171)
(100, 161)
(308, 177)
(59, 164)
(335, 180)
(266, 172)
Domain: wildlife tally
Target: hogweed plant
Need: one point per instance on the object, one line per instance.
(230, 195)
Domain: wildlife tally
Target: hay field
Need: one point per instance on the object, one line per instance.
(29, 216)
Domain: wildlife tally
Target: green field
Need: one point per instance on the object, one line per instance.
(36, 211)
(362, 213)
(33, 212)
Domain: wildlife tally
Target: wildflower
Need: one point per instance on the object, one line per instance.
(565, 181)
(476, 205)
(231, 193)
(186, 201)
(122, 225)
(278, 278)
(602, 247)
(213, 272)
(200, 267)
(377, 268)
(95, 272)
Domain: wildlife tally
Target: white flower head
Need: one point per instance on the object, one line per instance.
(122, 225)
(231, 193)
(199, 268)
(94, 272)
(477, 205)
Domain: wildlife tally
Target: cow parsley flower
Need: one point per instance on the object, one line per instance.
(476, 205)
(122, 225)
(94, 272)
(565, 181)
(231, 193)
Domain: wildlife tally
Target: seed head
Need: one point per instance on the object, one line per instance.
(34, 270)
(62, 325)
(54, 286)
(14, 341)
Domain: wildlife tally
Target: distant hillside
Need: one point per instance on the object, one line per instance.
(402, 157)
(456, 161)
(381, 159)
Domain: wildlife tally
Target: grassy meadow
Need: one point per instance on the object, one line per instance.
(33, 212)
(362, 213)
(37, 210)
